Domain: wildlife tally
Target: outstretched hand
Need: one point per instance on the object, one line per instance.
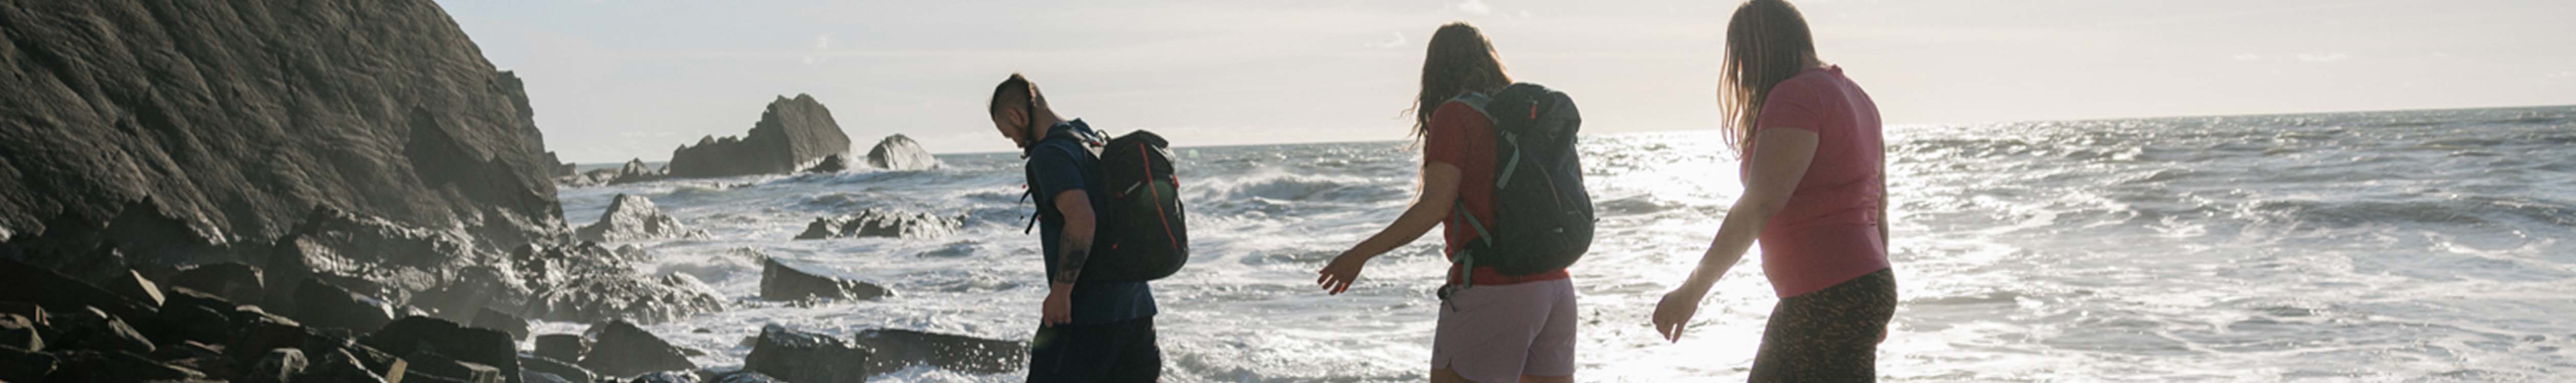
(1337, 276)
(1673, 314)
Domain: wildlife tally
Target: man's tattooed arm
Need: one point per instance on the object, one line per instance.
(1079, 226)
(1075, 253)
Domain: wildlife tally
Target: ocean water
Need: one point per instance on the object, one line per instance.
(2419, 246)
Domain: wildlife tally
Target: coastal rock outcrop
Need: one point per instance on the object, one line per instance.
(881, 223)
(897, 152)
(635, 218)
(781, 282)
(225, 122)
(792, 135)
(632, 172)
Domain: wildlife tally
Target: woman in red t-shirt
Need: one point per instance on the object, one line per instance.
(1815, 197)
(1507, 327)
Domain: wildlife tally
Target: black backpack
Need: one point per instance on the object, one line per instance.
(1543, 214)
(1142, 235)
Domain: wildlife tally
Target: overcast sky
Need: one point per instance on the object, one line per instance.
(615, 79)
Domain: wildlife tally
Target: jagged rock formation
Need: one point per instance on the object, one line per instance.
(830, 164)
(227, 121)
(886, 224)
(792, 135)
(780, 282)
(897, 152)
(634, 218)
(634, 171)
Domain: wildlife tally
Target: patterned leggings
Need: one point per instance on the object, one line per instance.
(1830, 335)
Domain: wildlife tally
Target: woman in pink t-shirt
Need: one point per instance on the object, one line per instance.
(1815, 197)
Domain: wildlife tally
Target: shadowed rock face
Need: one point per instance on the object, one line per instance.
(792, 135)
(235, 118)
(780, 282)
(897, 152)
(804, 357)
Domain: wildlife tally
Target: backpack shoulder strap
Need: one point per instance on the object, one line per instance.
(1476, 100)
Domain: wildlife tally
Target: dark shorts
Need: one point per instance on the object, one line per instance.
(1830, 335)
(1115, 352)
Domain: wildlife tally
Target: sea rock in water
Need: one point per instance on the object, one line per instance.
(830, 164)
(897, 152)
(621, 349)
(804, 357)
(895, 349)
(791, 135)
(590, 283)
(244, 115)
(780, 282)
(886, 224)
(634, 171)
(483, 346)
(635, 218)
(231, 281)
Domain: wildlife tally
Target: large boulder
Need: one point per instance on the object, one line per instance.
(54, 291)
(897, 152)
(278, 366)
(804, 357)
(116, 367)
(482, 346)
(634, 218)
(204, 123)
(781, 282)
(893, 349)
(792, 134)
(322, 304)
(882, 224)
(563, 347)
(91, 329)
(20, 332)
(23, 365)
(621, 349)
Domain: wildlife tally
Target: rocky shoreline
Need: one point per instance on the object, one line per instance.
(336, 190)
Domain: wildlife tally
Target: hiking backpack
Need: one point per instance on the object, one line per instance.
(1543, 215)
(1142, 235)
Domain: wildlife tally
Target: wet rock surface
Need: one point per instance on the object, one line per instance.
(882, 224)
(782, 282)
(805, 357)
(895, 349)
(791, 135)
(634, 218)
(897, 152)
(621, 349)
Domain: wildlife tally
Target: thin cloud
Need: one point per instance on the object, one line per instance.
(1473, 7)
(1396, 41)
(822, 43)
(2247, 57)
(2326, 57)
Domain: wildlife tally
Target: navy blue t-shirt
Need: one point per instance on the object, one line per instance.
(1053, 168)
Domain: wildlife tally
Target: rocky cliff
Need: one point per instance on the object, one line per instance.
(792, 135)
(228, 121)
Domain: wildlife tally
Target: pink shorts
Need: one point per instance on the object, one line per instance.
(1497, 333)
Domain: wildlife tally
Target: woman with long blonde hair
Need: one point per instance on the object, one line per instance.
(1814, 196)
